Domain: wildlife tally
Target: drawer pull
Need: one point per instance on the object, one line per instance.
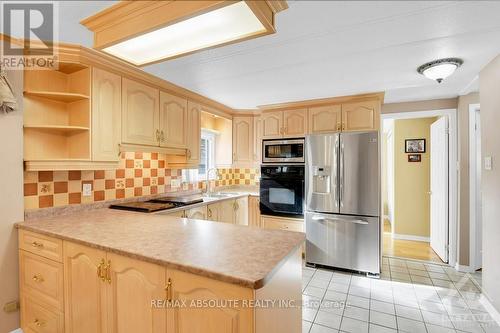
(39, 322)
(100, 271)
(108, 271)
(37, 245)
(168, 289)
(38, 278)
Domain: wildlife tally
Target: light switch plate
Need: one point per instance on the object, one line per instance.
(175, 183)
(488, 163)
(87, 190)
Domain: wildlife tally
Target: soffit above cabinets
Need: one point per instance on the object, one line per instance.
(147, 32)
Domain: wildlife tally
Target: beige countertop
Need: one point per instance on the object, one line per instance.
(247, 256)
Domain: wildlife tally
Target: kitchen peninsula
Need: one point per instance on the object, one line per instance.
(117, 267)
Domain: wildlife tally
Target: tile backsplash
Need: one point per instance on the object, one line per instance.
(138, 174)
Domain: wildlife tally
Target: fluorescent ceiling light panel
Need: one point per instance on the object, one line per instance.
(217, 27)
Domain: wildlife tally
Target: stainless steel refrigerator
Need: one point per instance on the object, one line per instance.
(343, 201)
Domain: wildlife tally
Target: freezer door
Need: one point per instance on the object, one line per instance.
(322, 173)
(349, 242)
(359, 174)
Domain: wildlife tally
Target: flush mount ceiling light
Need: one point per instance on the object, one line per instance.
(146, 32)
(440, 69)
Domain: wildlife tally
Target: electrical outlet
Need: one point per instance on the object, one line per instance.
(175, 183)
(87, 189)
(488, 163)
(11, 307)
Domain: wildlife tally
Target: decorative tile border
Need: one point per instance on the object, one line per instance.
(138, 174)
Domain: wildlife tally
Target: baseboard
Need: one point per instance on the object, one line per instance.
(411, 238)
(463, 268)
(494, 313)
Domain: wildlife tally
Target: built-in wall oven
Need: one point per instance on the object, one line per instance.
(283, 151)
(282, 190)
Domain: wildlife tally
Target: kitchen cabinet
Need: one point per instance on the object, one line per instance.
(227, 211)
(282, 223)
(213, 212)
(257, 135)
(199, 213)
(173, 121)
(193, 134)
(361, 116)
(140, 113)
(243, 141)
(106, 115)
(254, 211)
(284, 124)
(241, 211)
(188, 287)
(325, 119)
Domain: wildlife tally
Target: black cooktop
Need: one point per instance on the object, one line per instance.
(144, 206)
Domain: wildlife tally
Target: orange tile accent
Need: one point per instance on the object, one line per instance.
(30, 189)
(129, 164)
(161, 181)
(61, 187)
(45, 201)
(120, 173)
(161, 164)
(129, 182)
(45, 176)
(154, 156)
(109, 184)
(138, 155)
(75, 198)
(146, 164)
(120, 194)
(99, 174)
(146, 181)
(138, 191)
(154, 190)
(74, 175)
(98, 195)
(154, 172)
(138, 173)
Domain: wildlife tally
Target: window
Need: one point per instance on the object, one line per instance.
(207, 159)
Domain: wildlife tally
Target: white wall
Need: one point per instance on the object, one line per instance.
(489, 97)
(11, 202)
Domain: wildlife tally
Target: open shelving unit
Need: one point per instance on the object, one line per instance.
(57, 114)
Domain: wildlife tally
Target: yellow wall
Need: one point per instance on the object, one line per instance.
(412, 180)
(385, 199)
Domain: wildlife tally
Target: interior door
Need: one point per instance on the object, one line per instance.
(439, 188)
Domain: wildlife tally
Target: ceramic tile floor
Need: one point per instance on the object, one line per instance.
(410, 296)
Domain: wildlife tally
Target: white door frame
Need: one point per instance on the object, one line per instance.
(474, 254)
(453, 169)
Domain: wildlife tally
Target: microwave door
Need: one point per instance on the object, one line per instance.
(359, 174)
(322, 173)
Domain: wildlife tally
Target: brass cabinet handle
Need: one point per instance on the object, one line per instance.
(209, 212)
(36, 244)
(39, 322)
(168, 289)
(343, 126)
(108, 271)
(189, 153)
(236, 206)
(100, 270)
(38, 278)
(158, 135)
(338, 127)
(162, 136)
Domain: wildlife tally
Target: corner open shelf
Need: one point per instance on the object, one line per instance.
(57, 113)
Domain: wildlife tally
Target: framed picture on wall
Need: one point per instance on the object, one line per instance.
(414, 158)
(415, 146)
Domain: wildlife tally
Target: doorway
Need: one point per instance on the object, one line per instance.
(419, 192)
(475, 202)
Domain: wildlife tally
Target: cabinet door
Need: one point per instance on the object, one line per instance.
(242, 141)
(199, 213)
(361, 116)
(179, 213)
(257, 137)
(140, 113)
(254, 211)
(227, 212)
(272, 124)
(194, 134)
(325, 119)
(295, 123)
(241, 211)
(133, 287)
(106, 115)
(213, 212)
(188, 287)
(173, 121)
(84, 292)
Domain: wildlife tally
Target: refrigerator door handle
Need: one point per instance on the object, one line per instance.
(336, 175)
(336, 219)
(341, 192)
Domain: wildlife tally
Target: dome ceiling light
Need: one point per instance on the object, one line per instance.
(440, 69)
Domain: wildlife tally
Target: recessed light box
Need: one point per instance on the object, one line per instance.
(146, 32)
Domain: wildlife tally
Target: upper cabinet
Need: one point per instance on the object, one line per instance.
(243, 141)
(173, 121)
(257, 135)
(325, 119)
(361, 116)
(284, 124)
(140, 114)
(193, 134)
(106, 115)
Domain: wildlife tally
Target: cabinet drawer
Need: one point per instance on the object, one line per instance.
(44, 246)
(38, 318)
(282, 224)
(41, 279)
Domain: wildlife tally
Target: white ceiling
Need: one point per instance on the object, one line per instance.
(333, 48)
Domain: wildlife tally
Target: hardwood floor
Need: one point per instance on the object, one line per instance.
(407, 249)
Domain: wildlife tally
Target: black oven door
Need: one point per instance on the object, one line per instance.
(282, 194)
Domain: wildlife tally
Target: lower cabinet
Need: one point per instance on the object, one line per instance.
(254, 211)
(199, 213)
